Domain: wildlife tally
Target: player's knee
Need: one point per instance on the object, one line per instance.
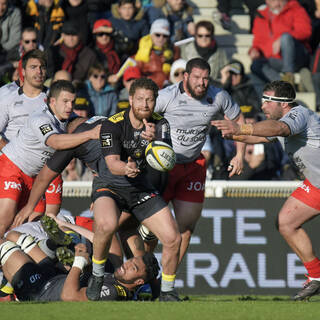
(26, 242)
(172, 241)
(7, 248)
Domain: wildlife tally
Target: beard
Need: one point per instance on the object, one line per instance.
(193, 94)
(141, 115)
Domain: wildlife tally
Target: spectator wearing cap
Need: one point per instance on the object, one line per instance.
(156, 53)
(128, 22)
(177, 71)
(77, 12)
(104, 48)
(98, 92)
(178, 13)
(239, 86)
(82, 107)
(131, 74)
(71, 55)
(205, 46)
(47, 17)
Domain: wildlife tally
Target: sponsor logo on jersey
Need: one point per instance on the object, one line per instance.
(117, 117)
(45, 128)
(18, 102)
(137, 153)
(106, 140)
(182, 102)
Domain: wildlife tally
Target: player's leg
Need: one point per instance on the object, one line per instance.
(106, 216)
(164, 226)
(7, 214)
(291, 217)
(187, 214)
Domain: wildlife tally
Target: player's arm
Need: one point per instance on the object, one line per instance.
(67, 141)
(71, 290)
(3, 141)
(266, 128)
(41, 183)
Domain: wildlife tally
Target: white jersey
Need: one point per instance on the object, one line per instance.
(303, 143)
(28, 150)
(189, 118)
(15, 108)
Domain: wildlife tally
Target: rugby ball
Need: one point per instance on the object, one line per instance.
(160, 156)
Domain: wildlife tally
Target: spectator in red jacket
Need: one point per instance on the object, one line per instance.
(280, 47)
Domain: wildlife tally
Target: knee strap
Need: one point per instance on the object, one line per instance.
(6, 250)
(26, 242)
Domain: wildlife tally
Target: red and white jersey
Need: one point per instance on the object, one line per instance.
(15, 108)
(28, 150)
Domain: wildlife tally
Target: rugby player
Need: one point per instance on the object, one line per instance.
(298, 130)
(189, 106)
(25, 155)
(17, 103)
(35, 278)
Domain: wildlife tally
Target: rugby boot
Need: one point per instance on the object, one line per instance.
(170, 296)
(53, 231)
(310, 288)
(94, 288)
(65, 256)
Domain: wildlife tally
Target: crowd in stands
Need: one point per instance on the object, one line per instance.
(87, 42)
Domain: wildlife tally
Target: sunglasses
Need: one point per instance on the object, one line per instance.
(28, 41)
(178, 73)
(101, 34)
(97, 76)
(159, 35)
(204, 35)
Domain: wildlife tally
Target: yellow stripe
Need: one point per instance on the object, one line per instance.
(98, 261)
(168, 277)
(7, 290)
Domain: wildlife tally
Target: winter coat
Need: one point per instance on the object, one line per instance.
(293, 19)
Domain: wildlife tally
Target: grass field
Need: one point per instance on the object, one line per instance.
(198, 307)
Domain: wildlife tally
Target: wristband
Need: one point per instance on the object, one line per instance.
(79, 262)
(246, 129)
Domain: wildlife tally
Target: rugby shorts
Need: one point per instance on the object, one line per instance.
(140, 202)
(54, 192)
(187, 181)
(16, 185)
(308, 194)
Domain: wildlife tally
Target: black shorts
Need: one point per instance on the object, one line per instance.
(140, 202)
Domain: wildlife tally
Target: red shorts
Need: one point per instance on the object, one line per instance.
(308, 194)
(84, 222)
(54, 191)
(16, 185)
(187, 181)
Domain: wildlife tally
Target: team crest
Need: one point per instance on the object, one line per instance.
(138, 153)
(45, 128)
(106, 140)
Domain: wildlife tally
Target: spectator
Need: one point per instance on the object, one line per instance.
(10, 20)
(281, 32)
(77, 12)
(239, 86)
(71, 55)
(155, 53)
(99, 93)
(104, 48)
(178, 13)
(131, 74)
(47, 17)
(177, 70)
(206, 47)
(128, 22)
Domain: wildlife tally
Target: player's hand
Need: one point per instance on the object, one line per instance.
(95, 132)
(80, 249)
(150, 131)
(235, 166)
(227, 127)
(131, 169)
(21, 217)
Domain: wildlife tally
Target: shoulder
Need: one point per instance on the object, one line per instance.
(118, 117)
(171, 91)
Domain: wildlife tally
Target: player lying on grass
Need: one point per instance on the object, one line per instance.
(34, 277)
